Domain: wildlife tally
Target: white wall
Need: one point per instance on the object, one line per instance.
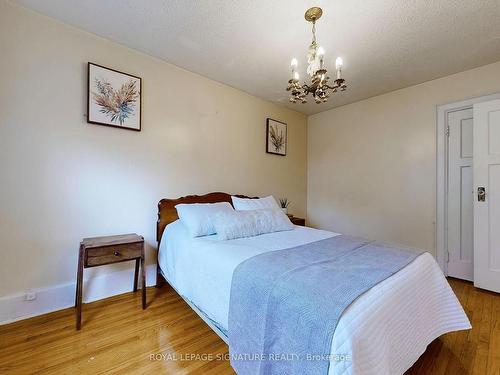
(63, 179)
(372, 164)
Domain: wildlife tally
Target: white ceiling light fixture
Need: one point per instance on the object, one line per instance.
(319, 87)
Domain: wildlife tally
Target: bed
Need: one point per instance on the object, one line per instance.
(384, 331)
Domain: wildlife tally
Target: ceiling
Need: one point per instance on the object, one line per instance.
(385, 44)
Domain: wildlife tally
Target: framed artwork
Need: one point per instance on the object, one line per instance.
(113, 98)
(276, 137)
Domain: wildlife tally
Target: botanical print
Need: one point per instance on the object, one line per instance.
(114, 98)
(116, 105)
(276, 137)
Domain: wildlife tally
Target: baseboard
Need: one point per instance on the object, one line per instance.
(15, 307)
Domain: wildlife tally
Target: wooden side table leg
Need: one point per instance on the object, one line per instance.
(143, 280)
(136, 275)
(79, 288)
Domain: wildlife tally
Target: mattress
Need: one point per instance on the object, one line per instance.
(384, 331)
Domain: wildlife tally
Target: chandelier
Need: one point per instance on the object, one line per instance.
(319, 86)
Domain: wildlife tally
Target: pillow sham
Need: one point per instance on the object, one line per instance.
(198, 217)
(245, 204)
(237, 224)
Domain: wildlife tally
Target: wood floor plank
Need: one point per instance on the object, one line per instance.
(118, 337)
(493, 362)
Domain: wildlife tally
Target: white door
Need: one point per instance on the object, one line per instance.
(487, 205)
(460, 234)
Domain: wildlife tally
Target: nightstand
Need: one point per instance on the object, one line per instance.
(99, 251)
(297, 220)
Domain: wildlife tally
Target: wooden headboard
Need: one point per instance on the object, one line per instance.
(168, 214)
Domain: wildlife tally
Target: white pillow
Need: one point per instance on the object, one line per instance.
(237, 224)
(197, 217)
(245, 204)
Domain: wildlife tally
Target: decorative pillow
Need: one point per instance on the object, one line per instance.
(237, 224)
(246, 204)
(198, 217)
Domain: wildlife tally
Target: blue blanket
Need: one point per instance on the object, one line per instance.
(285, 304)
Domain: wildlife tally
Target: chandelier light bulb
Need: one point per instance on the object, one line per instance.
(294, 63)
(296, 76)
(339, 63)
(321, 54)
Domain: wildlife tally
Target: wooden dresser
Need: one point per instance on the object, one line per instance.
(99, 251)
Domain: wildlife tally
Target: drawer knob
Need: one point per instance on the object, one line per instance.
(116, 254)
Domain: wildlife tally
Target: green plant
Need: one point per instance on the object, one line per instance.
(284, 202)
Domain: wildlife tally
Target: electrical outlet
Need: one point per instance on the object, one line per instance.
(30, 295)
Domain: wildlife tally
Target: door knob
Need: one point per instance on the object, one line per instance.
(481, 194)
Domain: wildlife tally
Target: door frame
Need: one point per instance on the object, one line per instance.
(442, 172)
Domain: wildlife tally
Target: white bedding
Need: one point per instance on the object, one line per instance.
(384, 331)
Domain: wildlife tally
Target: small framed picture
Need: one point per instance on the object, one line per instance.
(276, 137)
(113, 98)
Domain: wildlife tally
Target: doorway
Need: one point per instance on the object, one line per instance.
(456, 193)
(459, 200)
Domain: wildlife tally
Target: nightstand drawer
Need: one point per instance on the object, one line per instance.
(111, 254)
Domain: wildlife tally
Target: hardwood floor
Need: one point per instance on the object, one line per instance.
(117, 336)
